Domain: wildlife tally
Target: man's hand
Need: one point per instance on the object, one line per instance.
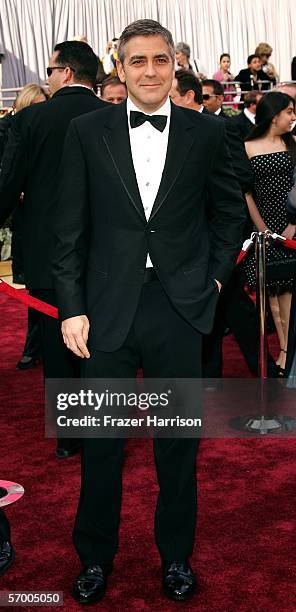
(75, 333)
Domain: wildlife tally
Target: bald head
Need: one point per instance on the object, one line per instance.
(289, 89)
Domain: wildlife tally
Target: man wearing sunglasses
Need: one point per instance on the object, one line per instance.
(212, 96)
(30, 164)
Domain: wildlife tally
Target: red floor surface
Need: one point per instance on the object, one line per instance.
(245, 544)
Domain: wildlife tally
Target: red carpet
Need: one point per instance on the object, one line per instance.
(245, 547)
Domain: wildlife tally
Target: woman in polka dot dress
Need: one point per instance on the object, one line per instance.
(271, 149)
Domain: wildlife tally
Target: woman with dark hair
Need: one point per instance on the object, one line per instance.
(271, 149)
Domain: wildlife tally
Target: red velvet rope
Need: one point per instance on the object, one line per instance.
(52, 311)
(29, 300)
(288, 244)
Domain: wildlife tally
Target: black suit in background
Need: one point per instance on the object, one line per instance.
(155, 324)
(30, 164)
(243, 124)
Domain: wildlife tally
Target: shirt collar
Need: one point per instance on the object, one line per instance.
(80, 85)
(249, 116)
(165, 109)
(218, 111)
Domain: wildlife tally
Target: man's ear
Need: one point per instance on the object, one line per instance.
(120, 71)
(68, 76)
(189, 96)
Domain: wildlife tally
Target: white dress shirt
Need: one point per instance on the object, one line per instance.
(250, 116)
(149, 149)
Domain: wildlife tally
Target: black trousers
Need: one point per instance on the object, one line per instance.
(4, 527)
(58, 361)
(164, 345)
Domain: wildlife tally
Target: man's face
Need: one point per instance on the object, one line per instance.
(181, 58)
(56, 80)
(147, 70)
(264, 58)
(211, 101)
(114, 93)
(255, 64)
(176, 96)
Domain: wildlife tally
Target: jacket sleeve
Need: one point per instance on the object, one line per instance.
(227, 212)
(71, 229)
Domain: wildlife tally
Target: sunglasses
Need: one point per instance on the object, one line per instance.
(208, 96)
(50, 69)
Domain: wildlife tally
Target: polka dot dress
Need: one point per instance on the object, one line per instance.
(273, 179)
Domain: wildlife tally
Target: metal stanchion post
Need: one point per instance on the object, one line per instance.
(262, 423)
(260, 246)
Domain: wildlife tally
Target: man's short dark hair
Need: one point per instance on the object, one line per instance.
(218, 89)
(251, 57)
(251, 97)
(112, 80)
(79, 56)
(145, 27)
(188, 81)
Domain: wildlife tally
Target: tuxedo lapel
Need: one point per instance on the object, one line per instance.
(116, 139)
(180, 142)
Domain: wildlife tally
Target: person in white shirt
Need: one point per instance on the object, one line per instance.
(213, 96)
(245, 120)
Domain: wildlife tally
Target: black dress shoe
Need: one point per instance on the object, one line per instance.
(90, 585)
(6, 556)
(26, 363)
(179, 582)
(63, 452)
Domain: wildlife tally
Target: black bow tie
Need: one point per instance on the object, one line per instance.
(137, 118)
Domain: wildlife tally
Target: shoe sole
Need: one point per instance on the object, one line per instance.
(180, 598)
(10, 562)
(89, 601)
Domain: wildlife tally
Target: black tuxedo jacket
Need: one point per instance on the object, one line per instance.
(103, 237)
(241, 164)
(240, 161)
(30, 164)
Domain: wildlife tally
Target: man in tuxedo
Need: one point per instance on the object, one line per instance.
(30, 164)
(6, 548)
(186, 91)
(138, 269)
(245, 120)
